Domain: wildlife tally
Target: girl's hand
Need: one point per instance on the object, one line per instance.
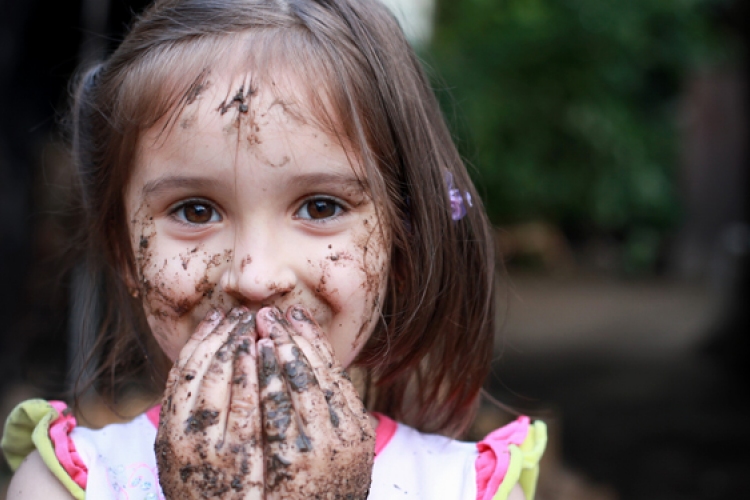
(209, 442)
(272, 419)
(317, 436)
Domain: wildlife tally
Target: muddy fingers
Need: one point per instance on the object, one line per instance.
(311, 433)
(205, 328)
(309, 329)
(187, 375)
(341, 395)
(243, 430)
(280, 421)
(205, 446)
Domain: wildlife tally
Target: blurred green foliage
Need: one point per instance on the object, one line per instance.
(570, 107)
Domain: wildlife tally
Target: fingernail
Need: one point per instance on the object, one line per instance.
(274, 314)
(246, 323)
(299, 314)
(213, 315)
(237, 313)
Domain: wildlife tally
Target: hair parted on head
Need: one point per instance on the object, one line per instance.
(426, 362)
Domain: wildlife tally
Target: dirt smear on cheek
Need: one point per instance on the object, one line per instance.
(374, 269)
(205, 287)
(370, 267)
(163, 295)
(338, 259)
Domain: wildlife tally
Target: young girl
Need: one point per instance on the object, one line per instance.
(272, 197)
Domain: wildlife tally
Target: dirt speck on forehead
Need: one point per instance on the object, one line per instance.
(200, 84)
(239, 100)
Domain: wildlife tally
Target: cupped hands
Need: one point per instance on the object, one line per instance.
(257, 407)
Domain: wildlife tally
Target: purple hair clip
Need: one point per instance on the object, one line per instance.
(458, 209)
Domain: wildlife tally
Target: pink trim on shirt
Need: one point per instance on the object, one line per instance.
(384, 432)
(494, 456)
(153, 415)
(65, 448)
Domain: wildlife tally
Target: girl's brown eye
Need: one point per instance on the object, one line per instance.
(319, 209)
(197, 213)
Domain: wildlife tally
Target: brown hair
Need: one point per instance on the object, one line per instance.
(427, 359)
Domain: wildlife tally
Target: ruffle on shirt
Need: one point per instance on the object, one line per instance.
(509, 456)
(46, 426)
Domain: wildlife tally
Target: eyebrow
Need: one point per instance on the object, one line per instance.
(314, 179)
(349, 180)
(166, 183)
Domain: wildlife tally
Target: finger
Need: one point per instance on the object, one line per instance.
(214, 396)
(213, 318)
(200, 374)
(280, 429)
(330, 374)
(321, 403)
(244, 439)
(178, 384)
(304, 323)
(308, 400)
(296, 368)
(210, 322)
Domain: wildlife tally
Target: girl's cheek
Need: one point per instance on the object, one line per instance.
(179, 289)
(176, 282)
(353, 279)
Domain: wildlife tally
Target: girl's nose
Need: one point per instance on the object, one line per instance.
(259, 273)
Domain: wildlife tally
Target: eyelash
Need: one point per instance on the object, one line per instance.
(340, 208)
(176, 212)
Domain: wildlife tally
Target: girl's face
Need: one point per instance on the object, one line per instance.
(243, 201)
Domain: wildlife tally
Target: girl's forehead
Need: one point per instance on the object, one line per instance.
(246, 113)
(240, 94)
(243, 98)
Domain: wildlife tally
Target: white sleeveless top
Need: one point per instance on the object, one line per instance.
(122, 465)
(118, 462)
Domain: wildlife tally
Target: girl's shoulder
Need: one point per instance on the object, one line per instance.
(35, 425)
(81, 459)
(34, 480)
(509, 456)
(420, 465)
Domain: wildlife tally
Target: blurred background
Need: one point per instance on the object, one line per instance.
(609, 141)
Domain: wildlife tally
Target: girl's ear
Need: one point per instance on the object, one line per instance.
(132, 287)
